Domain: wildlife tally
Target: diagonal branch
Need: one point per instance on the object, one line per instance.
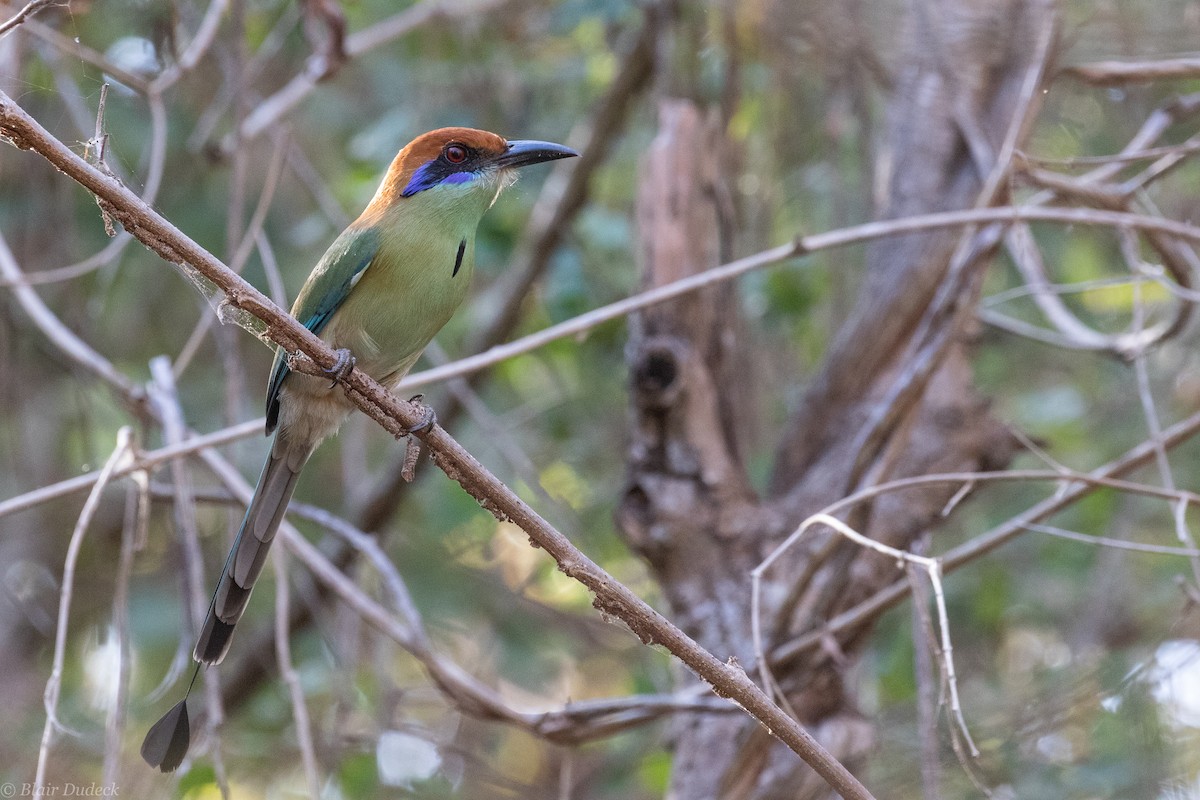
(396, 416)
(31, 8)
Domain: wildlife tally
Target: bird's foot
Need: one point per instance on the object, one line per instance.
(341, 367)
(428, 417)
(413, 444)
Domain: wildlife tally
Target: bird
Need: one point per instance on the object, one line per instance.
(377, 297)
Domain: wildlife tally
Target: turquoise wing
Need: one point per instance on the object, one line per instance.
(330, 283)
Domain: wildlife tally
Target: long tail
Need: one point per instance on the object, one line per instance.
(249, 551)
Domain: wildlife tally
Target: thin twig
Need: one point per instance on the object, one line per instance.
(95, 150)
(304, 170)
(31, 8)
(575, 723)
(1116, 544)
(81, 52)
(157, 155)
(53, 328)
(1069, 493)
(933, 568)
(266, 255)
(268, 113)
(1118, 73)
(133, 537)
(1113, 158)
(241, 253)
(291, 679)
(54, 684)
(1154, 428)
(854, 234)
(924, 640)
(146, 460)
(206, 33)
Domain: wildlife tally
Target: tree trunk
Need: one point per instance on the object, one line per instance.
(892, 398)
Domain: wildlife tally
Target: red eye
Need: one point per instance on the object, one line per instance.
(455, 153)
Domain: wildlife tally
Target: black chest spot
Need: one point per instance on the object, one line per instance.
(462, 248)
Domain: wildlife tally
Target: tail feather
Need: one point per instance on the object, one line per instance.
(249, 552)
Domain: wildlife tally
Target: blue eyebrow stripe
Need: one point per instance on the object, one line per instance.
(433, 174)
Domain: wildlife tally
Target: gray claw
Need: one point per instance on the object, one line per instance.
(341, 367)
(428, 416)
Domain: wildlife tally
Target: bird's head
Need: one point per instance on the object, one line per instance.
(447, 166)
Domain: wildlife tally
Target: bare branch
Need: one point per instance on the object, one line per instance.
(575, 723)
(31, 8)
(924, 640)
(154, 173)
(78, 50)
(1068, 494)
(54, 684)
(1116, 544)
(325, 27)
(1154, 428)
(803, 245)
(270, 111)
(291, 679)
(933, 569)
(53, 328)
(197, 47)
(1119, 73)
(146, 460)
(133, 537)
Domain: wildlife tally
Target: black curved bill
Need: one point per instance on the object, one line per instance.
(523, 152)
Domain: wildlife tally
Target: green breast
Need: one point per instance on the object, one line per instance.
(402, 300)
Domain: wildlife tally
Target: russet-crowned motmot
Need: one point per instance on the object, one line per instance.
(381, 292)
(378, 295)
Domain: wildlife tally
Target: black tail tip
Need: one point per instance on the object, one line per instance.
(213, 642)
(167, 741)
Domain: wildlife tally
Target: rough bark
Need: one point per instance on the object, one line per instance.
(688, 507)
(688, 497)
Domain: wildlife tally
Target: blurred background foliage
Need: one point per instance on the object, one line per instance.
(1079, 666)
